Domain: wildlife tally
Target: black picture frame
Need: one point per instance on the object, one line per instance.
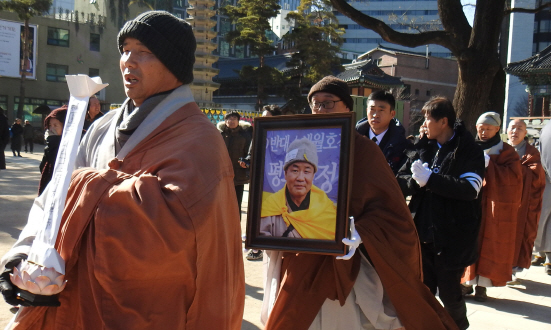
(266, 131)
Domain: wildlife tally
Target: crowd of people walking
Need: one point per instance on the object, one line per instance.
(151, 229)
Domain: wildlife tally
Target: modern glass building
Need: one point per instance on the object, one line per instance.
(402, 15)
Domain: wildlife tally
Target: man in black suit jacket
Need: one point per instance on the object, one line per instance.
(382, 128)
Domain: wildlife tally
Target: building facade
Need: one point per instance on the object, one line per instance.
(399, 14)
(64, 46)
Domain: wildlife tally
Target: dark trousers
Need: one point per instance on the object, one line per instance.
(29, 141)
(2, 156)
(239, 192)
(448, 283)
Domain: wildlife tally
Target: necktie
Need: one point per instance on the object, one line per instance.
(374, 139)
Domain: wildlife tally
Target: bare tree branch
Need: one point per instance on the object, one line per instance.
(508, 10)
(388, 34)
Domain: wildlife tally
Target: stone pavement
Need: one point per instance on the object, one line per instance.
(525, 307)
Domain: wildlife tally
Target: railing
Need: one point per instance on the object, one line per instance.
(217, 115)
(534, 122)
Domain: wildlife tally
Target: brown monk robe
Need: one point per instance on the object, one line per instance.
(530, 206)
(501, 194)
(388, 233)
(152, 242)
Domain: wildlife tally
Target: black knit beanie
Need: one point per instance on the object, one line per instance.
(171, 39)
(334, 86)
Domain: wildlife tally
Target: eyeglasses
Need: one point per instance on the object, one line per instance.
(326, 104)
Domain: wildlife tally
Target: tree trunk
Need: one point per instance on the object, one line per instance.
(474, 85)
(23, 70)
(497, 93)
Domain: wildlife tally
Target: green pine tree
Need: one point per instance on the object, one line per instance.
(316, 39)
(251, 19)
(25, 10)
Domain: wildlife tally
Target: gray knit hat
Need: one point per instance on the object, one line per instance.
(171, 39)
(301, 150)
(334, 86)
(490, 118)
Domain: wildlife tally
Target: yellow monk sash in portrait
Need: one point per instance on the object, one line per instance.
(318, 221)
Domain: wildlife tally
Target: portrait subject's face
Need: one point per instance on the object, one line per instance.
(299, 177)
(143, 73)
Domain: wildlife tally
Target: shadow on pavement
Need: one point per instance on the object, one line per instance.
(534, 288)
(12, 231)
(527, 310)
(254, 292)
(248, 326)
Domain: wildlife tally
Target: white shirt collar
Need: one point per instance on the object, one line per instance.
(379, 137)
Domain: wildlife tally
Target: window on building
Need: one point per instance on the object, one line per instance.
(225, 26)
(4, 102)
(58, 37)
(406, 91)
(224, 48)
(56, 72)
(416, 92)
(32, 103)
(93, 72)
(94, 42)
(428, 92)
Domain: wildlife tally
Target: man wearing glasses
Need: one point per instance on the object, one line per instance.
(377, 288)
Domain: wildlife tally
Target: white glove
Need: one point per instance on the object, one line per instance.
(486, 159)
(353, 243)
(421, 172)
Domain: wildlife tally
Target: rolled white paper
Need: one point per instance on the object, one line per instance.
(43, 252)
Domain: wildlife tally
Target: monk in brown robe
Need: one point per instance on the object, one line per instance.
(150, 232)
(532, 193)
(501, 194)
(311, 292)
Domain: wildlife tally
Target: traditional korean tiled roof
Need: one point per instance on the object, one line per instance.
(229, 67)
(539, 63)
(533, 71)
(370, 73)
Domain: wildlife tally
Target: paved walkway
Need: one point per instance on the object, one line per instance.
(526, 307)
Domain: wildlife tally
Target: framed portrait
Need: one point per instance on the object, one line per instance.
(300, 183)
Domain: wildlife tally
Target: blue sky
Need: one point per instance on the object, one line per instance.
(469, 10)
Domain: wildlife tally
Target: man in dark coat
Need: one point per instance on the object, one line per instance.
(4, 138)
(16, 137)
(443, 174)
(28, 135)
(381, 127)
(237, 136)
